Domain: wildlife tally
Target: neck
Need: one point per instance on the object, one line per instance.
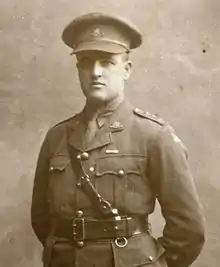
(93, 109)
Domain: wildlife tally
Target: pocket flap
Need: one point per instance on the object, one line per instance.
(119, 165)
(58, 163)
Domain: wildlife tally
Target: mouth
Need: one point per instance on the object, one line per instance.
(97, 84)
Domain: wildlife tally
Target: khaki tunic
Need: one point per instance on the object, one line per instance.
(133, 160)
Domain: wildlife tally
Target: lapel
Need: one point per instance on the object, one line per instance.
(75, 135)
(75, 131)
(114, 124)
(61, 149)
(118, 118)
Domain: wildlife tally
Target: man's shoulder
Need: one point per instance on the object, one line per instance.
(61, 125)
(163, 130)
(65, 121)
(149, 116)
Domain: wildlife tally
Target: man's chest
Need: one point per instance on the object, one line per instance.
(116, 163)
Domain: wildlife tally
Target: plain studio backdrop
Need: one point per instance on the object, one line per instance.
(176, 75)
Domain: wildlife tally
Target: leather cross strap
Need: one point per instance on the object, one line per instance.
(86, 185)
(103, 205)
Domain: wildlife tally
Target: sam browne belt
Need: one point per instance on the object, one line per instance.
(113, 225)
(80, 229)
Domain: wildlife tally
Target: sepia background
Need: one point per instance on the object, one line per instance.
(176, 75)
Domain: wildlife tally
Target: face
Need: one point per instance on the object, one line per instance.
(102, 75)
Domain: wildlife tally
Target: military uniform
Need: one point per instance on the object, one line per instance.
(132, 159)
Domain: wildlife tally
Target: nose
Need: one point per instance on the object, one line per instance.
(97, 69)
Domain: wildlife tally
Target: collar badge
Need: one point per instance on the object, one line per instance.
(116, 126)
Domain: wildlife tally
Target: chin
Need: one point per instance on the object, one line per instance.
(97, 98)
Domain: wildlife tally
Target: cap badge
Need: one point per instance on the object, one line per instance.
(96, 33)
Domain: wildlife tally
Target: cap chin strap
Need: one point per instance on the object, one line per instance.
(105, 40)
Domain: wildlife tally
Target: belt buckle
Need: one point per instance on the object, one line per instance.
(78, 229)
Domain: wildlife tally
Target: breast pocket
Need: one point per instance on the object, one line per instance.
(121, 179)
(61, 184)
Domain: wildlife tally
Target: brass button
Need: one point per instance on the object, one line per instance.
(92, 169)
(78, 156)
(121, 173)
(104, 206)
(51, 169)
(84, 156)
(79, 184)
(79, 213)
(150, 258)
(84, 178)
(80, 244)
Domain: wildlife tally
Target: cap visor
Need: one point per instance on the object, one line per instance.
(104, 46)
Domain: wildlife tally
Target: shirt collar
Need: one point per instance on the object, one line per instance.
(103, 113)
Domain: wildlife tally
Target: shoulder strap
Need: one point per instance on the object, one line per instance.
(149, 116)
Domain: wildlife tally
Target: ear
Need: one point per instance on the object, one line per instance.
(78, 57)
(77, 61)
(127, 70)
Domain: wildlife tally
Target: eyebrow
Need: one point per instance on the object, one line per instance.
(101, 57)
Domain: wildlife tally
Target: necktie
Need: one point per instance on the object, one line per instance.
(90, 131)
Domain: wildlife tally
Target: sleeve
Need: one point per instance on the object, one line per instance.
(183, 233)
(40, 207)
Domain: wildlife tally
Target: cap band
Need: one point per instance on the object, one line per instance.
(101, 45)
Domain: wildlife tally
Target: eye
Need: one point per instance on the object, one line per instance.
(84, 63)
(107, 62)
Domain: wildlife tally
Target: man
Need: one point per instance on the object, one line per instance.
(100, 172)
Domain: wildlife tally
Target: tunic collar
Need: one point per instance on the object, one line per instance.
(102, 115)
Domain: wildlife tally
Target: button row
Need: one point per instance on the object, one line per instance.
(79, 243)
